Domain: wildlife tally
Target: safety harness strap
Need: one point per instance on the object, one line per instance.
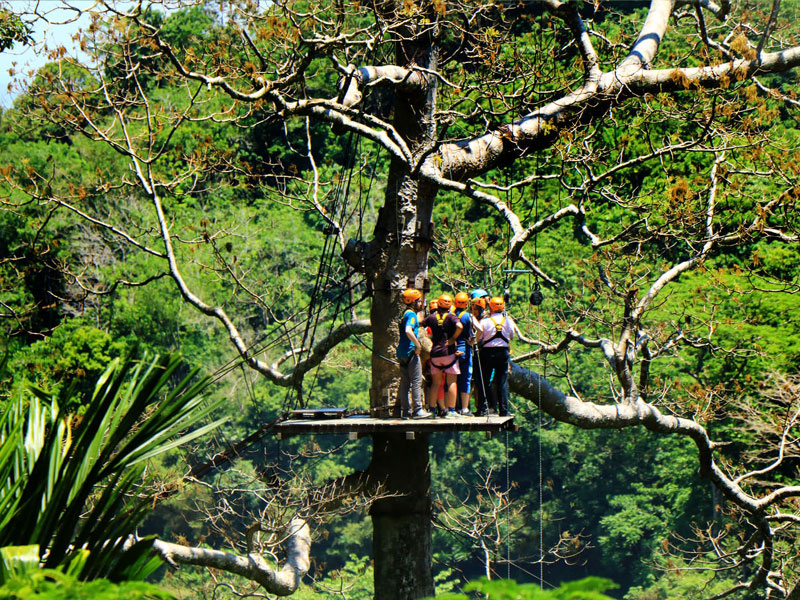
(498, 331)
(447, 366)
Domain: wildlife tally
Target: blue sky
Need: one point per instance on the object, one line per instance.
(27, 58)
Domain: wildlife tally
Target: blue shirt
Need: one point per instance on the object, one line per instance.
(406, 347)
(461, 340)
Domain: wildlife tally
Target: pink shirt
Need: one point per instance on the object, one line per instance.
(489, 328)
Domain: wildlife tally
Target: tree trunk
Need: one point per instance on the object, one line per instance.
(398, 258)
(401, 521)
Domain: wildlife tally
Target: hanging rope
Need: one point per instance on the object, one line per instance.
(272, 339)
(508, 517)
(315, 308)
(338, 210)
(541, 486)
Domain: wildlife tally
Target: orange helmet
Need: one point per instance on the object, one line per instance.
(479, 302)
(497, 304)
(411, 295)
(445, 301)
(462, 300)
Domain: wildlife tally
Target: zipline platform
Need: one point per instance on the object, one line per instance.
(356, 426)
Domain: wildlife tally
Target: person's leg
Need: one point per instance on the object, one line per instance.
(490, 373)
(482, 384)
(465, 379)
(415, 380)
(433, 389)
(450, 390)
(403, 388)
(501, 375)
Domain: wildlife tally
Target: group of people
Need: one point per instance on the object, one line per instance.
(470, 337)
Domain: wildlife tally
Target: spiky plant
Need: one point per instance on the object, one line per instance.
(72, 486)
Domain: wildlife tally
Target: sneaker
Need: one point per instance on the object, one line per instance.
(451, 414)
(421, 413)
(459, 413)
(443, 413)
(482, 413)
(464, 412)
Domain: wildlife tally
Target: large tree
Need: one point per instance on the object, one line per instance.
(644, 136)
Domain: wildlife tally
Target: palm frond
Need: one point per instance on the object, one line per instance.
(71, 490)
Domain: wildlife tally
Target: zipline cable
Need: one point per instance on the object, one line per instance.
(539, 386)
(337, 209)
(254, 350)
(508, 518)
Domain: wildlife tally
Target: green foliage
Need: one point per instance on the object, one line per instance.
(53, 584)
(354, 580)
(17, 560)
(68, 363)
(67, 485)
(590, 588)
(680, 581)
(226, 187)
(12, 29)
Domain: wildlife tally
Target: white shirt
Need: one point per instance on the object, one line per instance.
(489, 328)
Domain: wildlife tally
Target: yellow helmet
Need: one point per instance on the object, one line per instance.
(445, 301)
(497, 304)
(411, 295)
(462, 300)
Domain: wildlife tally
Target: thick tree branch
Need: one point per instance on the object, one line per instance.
(469, 158)
(401, 78)
(588, 415)
(650, 37)
(330, 111)
(281, 582)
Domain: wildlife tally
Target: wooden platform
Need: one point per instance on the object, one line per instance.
(358, 426)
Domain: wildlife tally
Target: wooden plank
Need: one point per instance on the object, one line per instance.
(365, 425)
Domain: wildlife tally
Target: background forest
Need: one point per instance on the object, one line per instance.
(247, 199)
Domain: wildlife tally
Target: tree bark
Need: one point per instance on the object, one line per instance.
(401, 518)
(397, 259)
(281, 582)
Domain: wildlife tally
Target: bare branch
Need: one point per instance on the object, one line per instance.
(281, 582)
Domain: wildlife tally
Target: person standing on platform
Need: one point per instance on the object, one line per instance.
(478, 308)
(497, 330)
(480, 293)
(408, 351)
(445, 329)
(464, 344)
(426, 363)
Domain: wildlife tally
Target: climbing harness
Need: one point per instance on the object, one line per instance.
(498, 331)
(447, 366)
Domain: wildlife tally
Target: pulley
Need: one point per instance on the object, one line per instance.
(536, 297)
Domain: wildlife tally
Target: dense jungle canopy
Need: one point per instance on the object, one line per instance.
(251, 185)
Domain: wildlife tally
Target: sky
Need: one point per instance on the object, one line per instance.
(26, 57)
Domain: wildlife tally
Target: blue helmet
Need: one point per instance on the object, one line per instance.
(478, 293)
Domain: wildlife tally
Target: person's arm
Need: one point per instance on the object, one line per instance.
(459, 328)
(471, 338)
(476, 327)
(414, 340)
